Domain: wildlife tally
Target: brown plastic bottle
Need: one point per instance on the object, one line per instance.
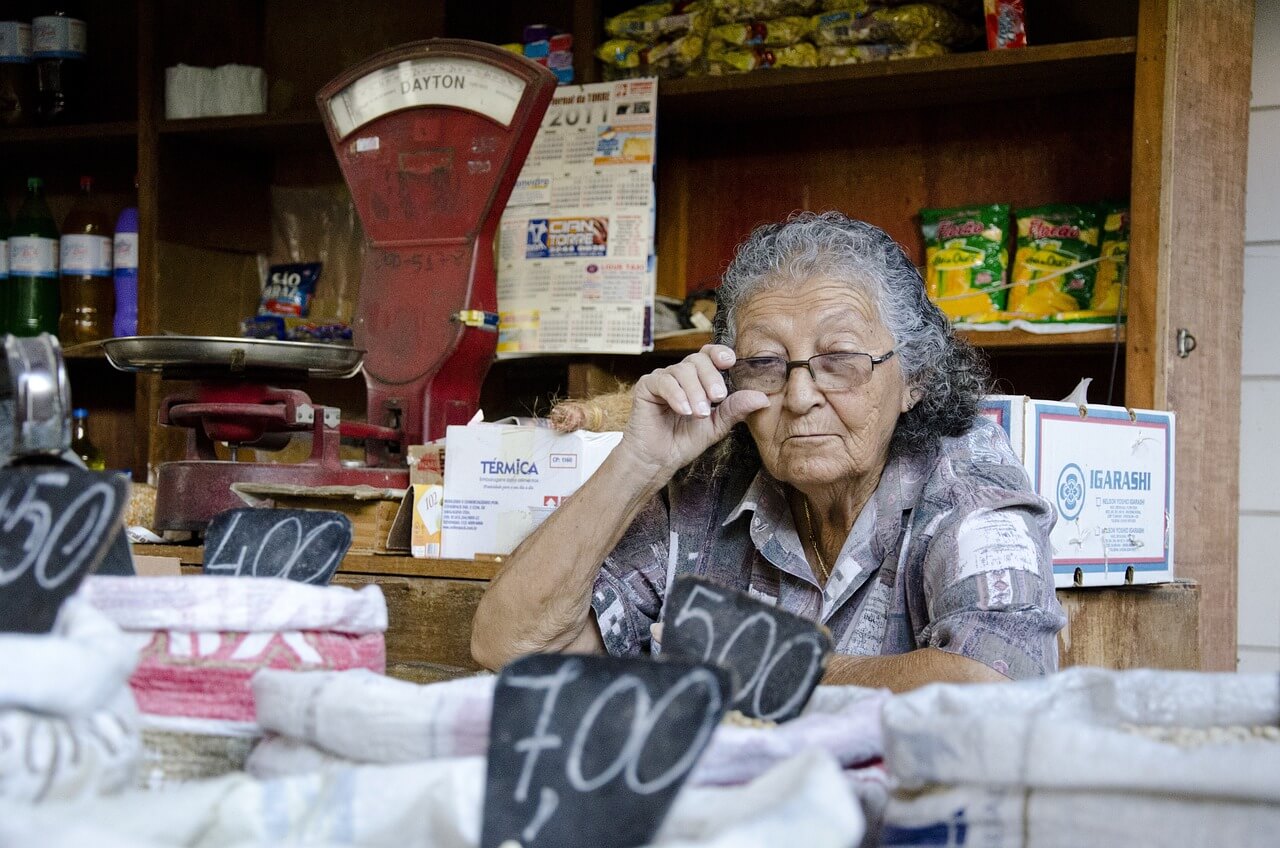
(88, 293)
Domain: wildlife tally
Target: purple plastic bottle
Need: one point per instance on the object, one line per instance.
(126, 274)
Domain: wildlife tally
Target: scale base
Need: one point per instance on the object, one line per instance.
(190, 493)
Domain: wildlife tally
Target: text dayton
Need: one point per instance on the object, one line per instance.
(432, 81)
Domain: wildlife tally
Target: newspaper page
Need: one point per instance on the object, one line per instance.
(576, 243)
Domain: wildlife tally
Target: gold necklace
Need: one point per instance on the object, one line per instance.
(813, 540)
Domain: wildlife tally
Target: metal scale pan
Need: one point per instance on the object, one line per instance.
(213, 356)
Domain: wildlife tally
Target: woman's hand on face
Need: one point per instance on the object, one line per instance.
(672, 418)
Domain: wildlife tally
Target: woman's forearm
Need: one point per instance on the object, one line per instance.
(904, 672)
(540, 600)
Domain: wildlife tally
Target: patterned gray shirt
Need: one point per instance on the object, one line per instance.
(951, 552)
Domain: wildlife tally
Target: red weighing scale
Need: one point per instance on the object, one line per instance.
(430, 137)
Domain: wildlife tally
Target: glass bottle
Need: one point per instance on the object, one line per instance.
(88, 294)
(92, 456)
(31, 297)
(17, 75)
(59, 42)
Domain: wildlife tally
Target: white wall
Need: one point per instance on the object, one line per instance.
(1259, 632)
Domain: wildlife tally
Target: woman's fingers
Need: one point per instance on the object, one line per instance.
(722, 356)
(665, 387)
(709, 376)
(686, 374)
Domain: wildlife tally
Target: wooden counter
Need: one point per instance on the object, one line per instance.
(430, 604)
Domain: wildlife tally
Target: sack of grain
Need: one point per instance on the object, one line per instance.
(1155, 757)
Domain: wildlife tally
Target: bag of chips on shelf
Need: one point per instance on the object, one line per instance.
(288, 289)
(1110, 286)
(738, 11)
(623, 57)
(857, 6)
(1006, 24)
(854, 54)
(726, 59)
(1049, 274)
(779, 32)
(895, 25)
(654, 21)
(967, 258)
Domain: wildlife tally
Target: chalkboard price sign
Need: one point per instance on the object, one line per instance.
(304, 545)
(56, 523)
(776, 658)
(590, 751)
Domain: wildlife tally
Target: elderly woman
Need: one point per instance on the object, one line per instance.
(865, 493)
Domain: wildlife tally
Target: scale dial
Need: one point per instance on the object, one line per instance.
(429, 81)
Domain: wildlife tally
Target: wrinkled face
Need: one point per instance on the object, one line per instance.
(808, 437)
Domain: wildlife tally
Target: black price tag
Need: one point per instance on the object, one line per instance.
(118, 561)
(591, 751)
(56, 524)
(304, 545)
(776, 658)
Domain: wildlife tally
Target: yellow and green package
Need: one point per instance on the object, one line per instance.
(654, 21)
(727, 59)
(779, 32)
(635, 24)
(854, 54)
(966, 258)
(858, 6)
(1052, 241)
(895, 25)
(1109, 289)
(623, 53)
(738, 11)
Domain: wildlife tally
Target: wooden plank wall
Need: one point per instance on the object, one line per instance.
(1190, 150)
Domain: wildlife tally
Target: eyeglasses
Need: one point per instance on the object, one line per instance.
(831, 372)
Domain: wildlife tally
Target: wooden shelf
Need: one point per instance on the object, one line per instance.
(111, 133)
(291, 131)
(385, 565)
(791, 92)
(959, 77)
(1003, 339)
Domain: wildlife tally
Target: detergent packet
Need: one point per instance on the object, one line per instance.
(289, 288)
(967, 259)
(1049, 274)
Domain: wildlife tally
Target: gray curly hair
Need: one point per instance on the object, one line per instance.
(946, 375)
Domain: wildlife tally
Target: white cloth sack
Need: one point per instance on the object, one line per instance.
(364, 717)
(435, 804)
(1016, 765)
(68, 722)
(201, 603)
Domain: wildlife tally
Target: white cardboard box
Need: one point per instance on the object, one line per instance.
(1109, 473)
(502, 480)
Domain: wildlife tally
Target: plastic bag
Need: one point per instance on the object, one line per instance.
(725, 59)
(779, 32)
(654, 21)
(1110, 286)
(738, 11)
(896, 25)
(967, 258)
(853, 54)
(1053, 242)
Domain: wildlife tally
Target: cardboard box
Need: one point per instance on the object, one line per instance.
(1109, 473)
(372, 511)
(501, 481)
(426, 467)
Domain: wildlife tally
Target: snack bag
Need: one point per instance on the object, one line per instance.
(654, 21)
(738, 11)
(725, 59)
(1052, 239)
(289, 289)
(636, 24)
(1110, 286)
(966, 258)
(860, 7)
(1006, 24)
(779, 32)
(854, 54)
(895, 25)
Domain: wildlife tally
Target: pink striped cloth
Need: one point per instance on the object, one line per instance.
(201, 639)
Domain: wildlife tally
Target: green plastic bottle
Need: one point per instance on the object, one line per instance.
(32, 298)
